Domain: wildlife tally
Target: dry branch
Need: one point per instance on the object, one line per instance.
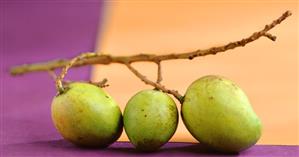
(108, 59)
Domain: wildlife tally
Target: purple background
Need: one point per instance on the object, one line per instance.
(33, 31)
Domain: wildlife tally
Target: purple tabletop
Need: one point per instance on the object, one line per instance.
(40, 30)
(63, 148)
(33, 31)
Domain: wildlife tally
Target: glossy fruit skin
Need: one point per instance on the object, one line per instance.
(219, 115)
(87, 116)
(150, 119)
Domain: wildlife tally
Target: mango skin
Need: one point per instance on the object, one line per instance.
(150, 119)
(219, 115)
(87, 116)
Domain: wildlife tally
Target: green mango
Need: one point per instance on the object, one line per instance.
(150, 119)
(87, 116)
(219, 115)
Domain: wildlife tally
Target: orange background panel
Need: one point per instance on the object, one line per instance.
(267, 71)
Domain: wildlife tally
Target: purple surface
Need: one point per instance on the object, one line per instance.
(32, 31)
(62, 148)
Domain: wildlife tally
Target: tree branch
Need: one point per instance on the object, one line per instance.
(108, 59)
(175, 93)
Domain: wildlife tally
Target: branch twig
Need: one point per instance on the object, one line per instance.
(154, 84)
(108, 59)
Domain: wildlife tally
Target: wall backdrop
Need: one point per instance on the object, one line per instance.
(267, 71)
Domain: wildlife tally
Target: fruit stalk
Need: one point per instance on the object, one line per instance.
(157, 85)
(59, 79)
(108, 59)
(159, 74)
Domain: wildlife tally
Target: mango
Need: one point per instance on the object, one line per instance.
(87, 116)
(219, 115)
(150, 119)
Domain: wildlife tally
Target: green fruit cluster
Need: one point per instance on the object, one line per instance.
(215, 111)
